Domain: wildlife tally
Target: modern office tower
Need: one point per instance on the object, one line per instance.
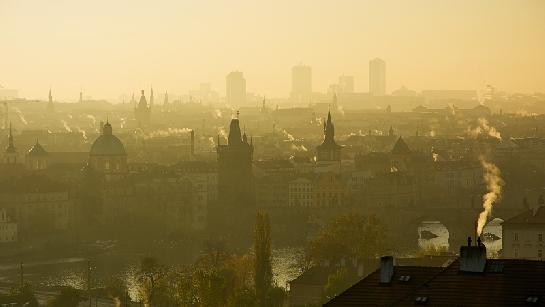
(377, 77)
(301, 83)
(235, 88)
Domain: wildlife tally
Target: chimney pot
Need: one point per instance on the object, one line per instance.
(473, 258)
(386, 269)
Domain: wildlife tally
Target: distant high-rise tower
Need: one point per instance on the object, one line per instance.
(235, 179)
(235, 88)
(50, 106)
(377, 77)
(80, 96)
(142, 112)
(151, 97)
(346, 84)
(301, 83)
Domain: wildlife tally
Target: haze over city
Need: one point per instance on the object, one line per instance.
(111, 48)
(272, 154)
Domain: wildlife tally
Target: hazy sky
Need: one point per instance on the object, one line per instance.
(111, 47)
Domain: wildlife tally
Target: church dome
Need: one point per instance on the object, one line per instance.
(107, 144)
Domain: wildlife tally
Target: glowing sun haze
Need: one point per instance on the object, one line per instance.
(117, 47)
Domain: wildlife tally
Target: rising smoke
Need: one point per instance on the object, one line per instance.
(492, 174)
(484, 128)
(494, 183)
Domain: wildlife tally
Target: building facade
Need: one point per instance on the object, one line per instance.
(523, 235)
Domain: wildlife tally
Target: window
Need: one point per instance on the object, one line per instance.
(516, 236)
(540, 237)
(516, 252)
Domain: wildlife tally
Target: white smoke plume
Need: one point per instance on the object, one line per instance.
(492, 175)
(289, 136)
(360, 133)
(83, 133)
(298, 147)
(20, 115)
(168, 132)
(217, 114)
(222, 132)
(524, 113)
(93, 119)
(484, 128)
(494, 184)
(65, 125)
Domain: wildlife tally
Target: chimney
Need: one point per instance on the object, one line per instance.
(473, 258)
(386, 269)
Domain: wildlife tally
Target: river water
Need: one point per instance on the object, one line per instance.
(107, 267)
(434, 235)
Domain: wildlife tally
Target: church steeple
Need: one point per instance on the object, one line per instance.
(10, 137)
(329, 130)
(50, 106)
(11, 151)
(391, 131)
(329, 150)
(151, 97)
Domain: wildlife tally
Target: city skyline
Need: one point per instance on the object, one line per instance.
(107, 49)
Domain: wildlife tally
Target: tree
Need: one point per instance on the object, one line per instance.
(68, 297)
(151, 274)
(262, 264)
(348, 236)
(25, 295)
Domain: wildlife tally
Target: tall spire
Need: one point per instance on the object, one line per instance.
(166, 98)
(10, 147)
(80, 96)
(329, 132)
(50, 106)
(151, 97)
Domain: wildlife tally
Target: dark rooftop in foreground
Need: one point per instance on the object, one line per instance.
(471, 280)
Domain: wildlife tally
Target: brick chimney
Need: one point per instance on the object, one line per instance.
(473, 258)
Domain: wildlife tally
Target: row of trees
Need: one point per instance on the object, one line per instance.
(218, 278)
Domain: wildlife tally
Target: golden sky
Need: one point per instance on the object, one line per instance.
(114, 47)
